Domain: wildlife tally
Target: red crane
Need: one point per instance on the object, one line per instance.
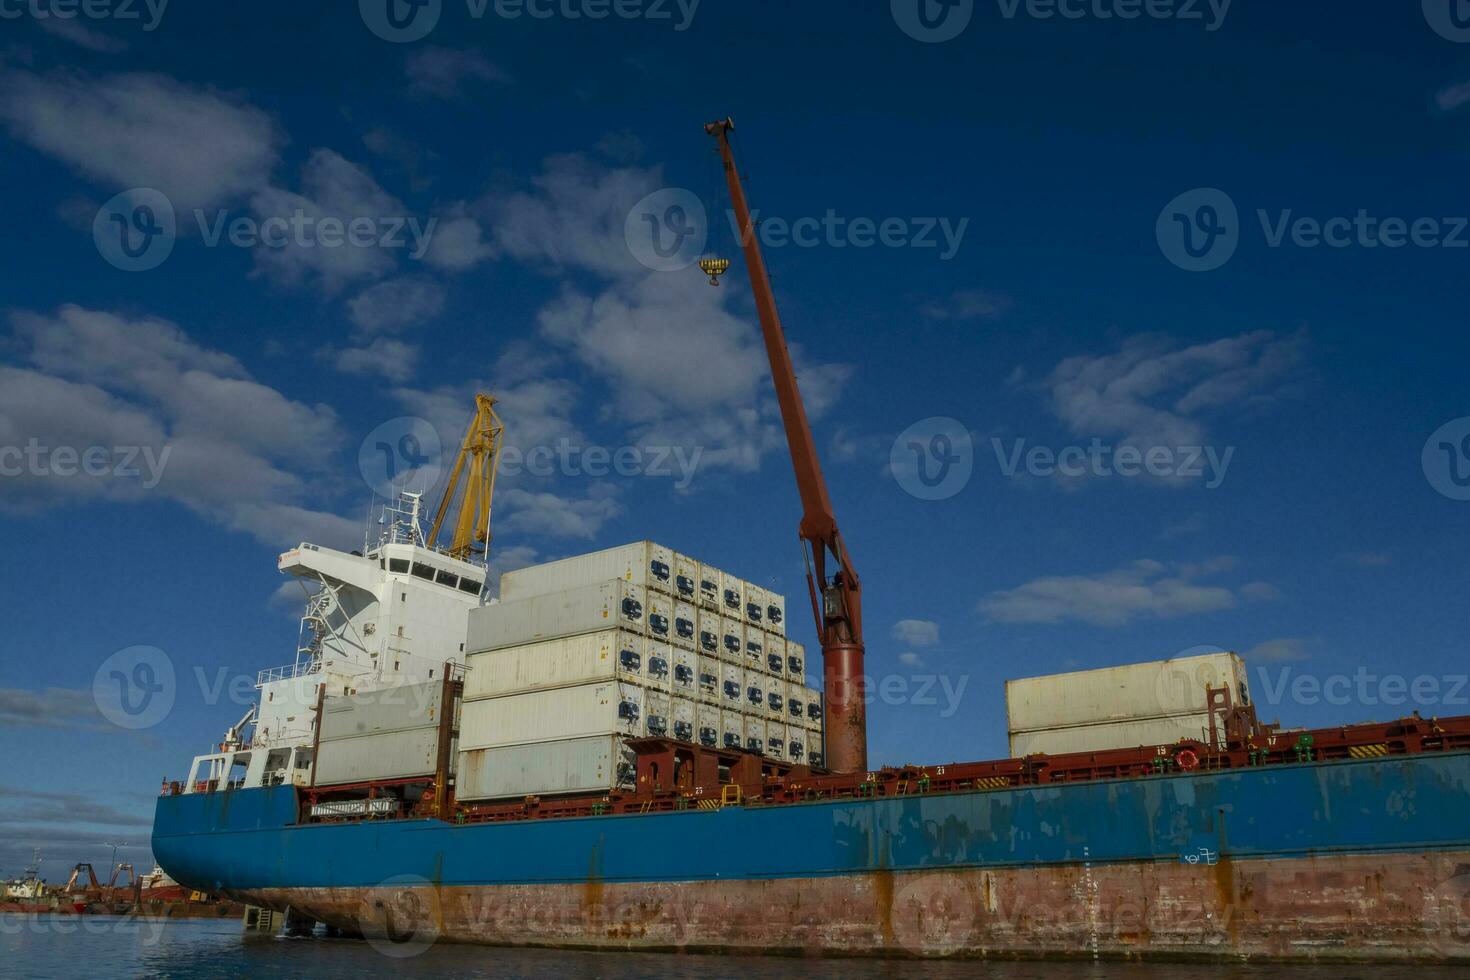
(836, 599)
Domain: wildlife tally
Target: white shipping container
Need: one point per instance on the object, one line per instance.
(732, 729)
(709, 588)
(660, 667)
(814, 707)
(589, 609)
(732, 640)
(686, 579)
(755, 734)
(660, 616)
(732, 596)
(685, 715)
(389, 755)
(753, 691)
(755, 648)
(566, 662)
(732, 686)
(708, 730)
(1133, 692)
(776, 647)
(1112, 735)
(640, 563)
(658, 713)
(755, 605)
(775, 740)
(814, 746)
(776, 698)
(583, 765)
(776, 613)
(605, 708)
(796, 743)
(795, 660)
(707, 633)
(708, 674)
(686, 624)
(682, 680)
(408, 707)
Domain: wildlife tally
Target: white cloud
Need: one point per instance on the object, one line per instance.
(1151, 393)
(394, 304)
(1284, 650)
(458, 243)
(331, 187)
(911, 659)
(557, 515)
(200, 147)
(969, 304)
(73, 30)
(443, 72)
(236, 449)
(916, 632)
(1452, 98)
(1144, 589)
(382, 358)
(1260, 592)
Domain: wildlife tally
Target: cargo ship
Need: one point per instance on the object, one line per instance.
(622, 751)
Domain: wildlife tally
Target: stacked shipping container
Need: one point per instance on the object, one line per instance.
(1156, 703)
(583, 653)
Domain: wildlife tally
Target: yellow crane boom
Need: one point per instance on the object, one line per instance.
(482, 451)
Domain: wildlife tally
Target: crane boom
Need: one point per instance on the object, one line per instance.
(836, 600)
(481, 448)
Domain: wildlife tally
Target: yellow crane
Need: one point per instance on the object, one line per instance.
(481, 449)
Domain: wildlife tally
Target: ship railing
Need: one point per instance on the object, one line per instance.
(287, 672)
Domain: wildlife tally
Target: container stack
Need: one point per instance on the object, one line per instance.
(584, 653)
(1156, 703)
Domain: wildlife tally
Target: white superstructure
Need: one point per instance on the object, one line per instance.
(387, 618)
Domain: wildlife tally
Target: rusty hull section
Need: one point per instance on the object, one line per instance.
(1395, 907)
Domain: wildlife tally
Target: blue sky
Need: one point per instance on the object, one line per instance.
(1056, 151)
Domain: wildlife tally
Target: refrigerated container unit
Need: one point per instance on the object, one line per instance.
(755, 606)
(795, 660)
(643, 563)
(660, 616)
(658, 714)
(776, 613)
(686, 579)
(707, 731)
(708, 675)
(392, 733)
(682, 679)
(685, 715)
(597, 708)
(776, 654)
(755, 648)
(608, 655)
(753, 691)
(755, 734)
(732, 596)
(707, 632)
(686, 625)
(732, 729)
(594, 763)
(709, 588)
(775, 740)
(732, 640)
(1158, 702)
(775, 699)
(586, 609)
(732, 686)
(659, 670)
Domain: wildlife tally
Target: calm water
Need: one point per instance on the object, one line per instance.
(102, 948)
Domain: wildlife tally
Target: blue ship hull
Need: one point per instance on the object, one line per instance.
(1360, 859)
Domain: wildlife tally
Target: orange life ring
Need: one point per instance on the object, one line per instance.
(1187, 760)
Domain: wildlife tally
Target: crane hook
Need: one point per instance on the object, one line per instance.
(714, 268)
